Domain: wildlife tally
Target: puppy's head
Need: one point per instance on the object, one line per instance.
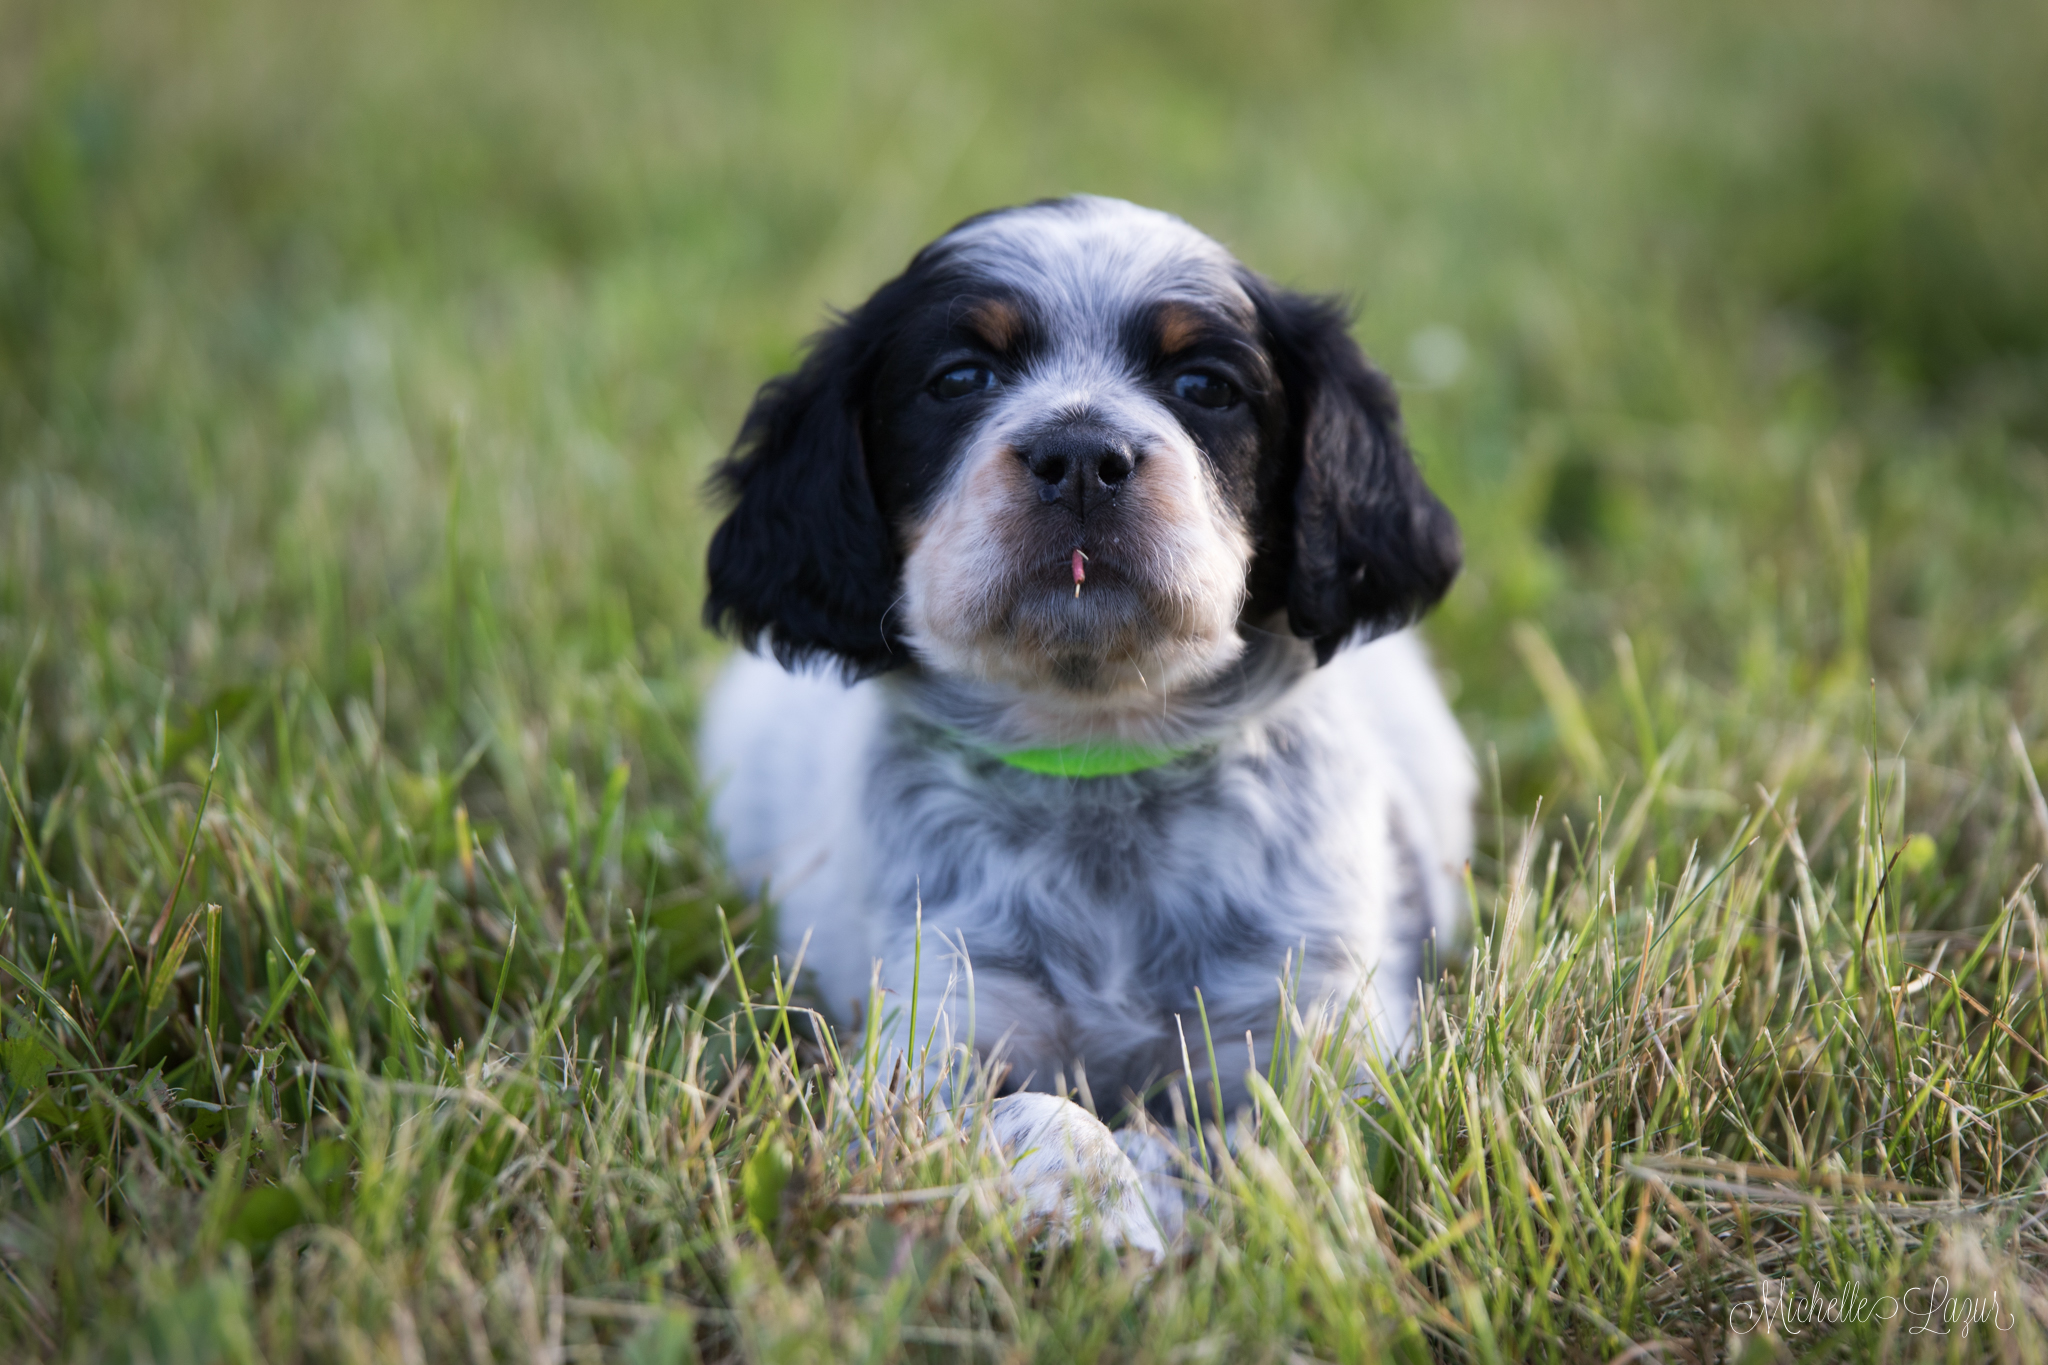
(1072, 449)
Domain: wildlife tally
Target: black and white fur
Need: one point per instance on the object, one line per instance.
(1087, 374)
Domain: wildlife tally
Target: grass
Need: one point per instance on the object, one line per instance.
(372, 990)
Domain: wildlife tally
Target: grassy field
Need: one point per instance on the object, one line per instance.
(371, 989)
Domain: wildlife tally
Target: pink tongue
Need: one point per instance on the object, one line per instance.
(1079, 574)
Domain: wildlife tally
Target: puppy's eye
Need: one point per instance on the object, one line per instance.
(1205, 390)
(963, 382)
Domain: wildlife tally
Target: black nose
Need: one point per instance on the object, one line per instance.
(1080, 466)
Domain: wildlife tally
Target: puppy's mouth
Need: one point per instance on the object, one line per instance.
(1098, 577)
(1088, 613)
(1086, 568)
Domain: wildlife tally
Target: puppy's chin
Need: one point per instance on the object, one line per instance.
(1116, 641)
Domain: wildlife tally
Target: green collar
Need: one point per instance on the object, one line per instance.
(1094, 758)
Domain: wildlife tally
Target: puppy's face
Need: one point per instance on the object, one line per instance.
(1074, 388)
(1071, 450)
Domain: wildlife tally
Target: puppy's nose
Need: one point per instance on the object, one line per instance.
(1080, 467)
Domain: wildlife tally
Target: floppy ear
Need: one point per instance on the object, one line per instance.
(1372, 547)
(805, 557)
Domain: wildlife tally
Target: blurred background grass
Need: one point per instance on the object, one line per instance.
(360, 367)
(322, 330)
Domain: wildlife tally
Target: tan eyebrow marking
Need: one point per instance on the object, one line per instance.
(1179, 325)
(996, 322)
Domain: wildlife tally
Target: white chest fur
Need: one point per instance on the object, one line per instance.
(1325, 831)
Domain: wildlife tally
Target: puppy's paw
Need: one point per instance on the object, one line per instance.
(1067, 1168)
(1163, 1170)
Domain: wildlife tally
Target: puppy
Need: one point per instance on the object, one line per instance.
(1100, 550)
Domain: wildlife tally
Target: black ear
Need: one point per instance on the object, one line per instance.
(805, 558)
(1372, 548)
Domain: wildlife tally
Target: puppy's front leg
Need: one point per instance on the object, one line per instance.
(1066, 1166)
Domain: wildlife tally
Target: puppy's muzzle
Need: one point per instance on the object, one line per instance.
(1079, 466)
